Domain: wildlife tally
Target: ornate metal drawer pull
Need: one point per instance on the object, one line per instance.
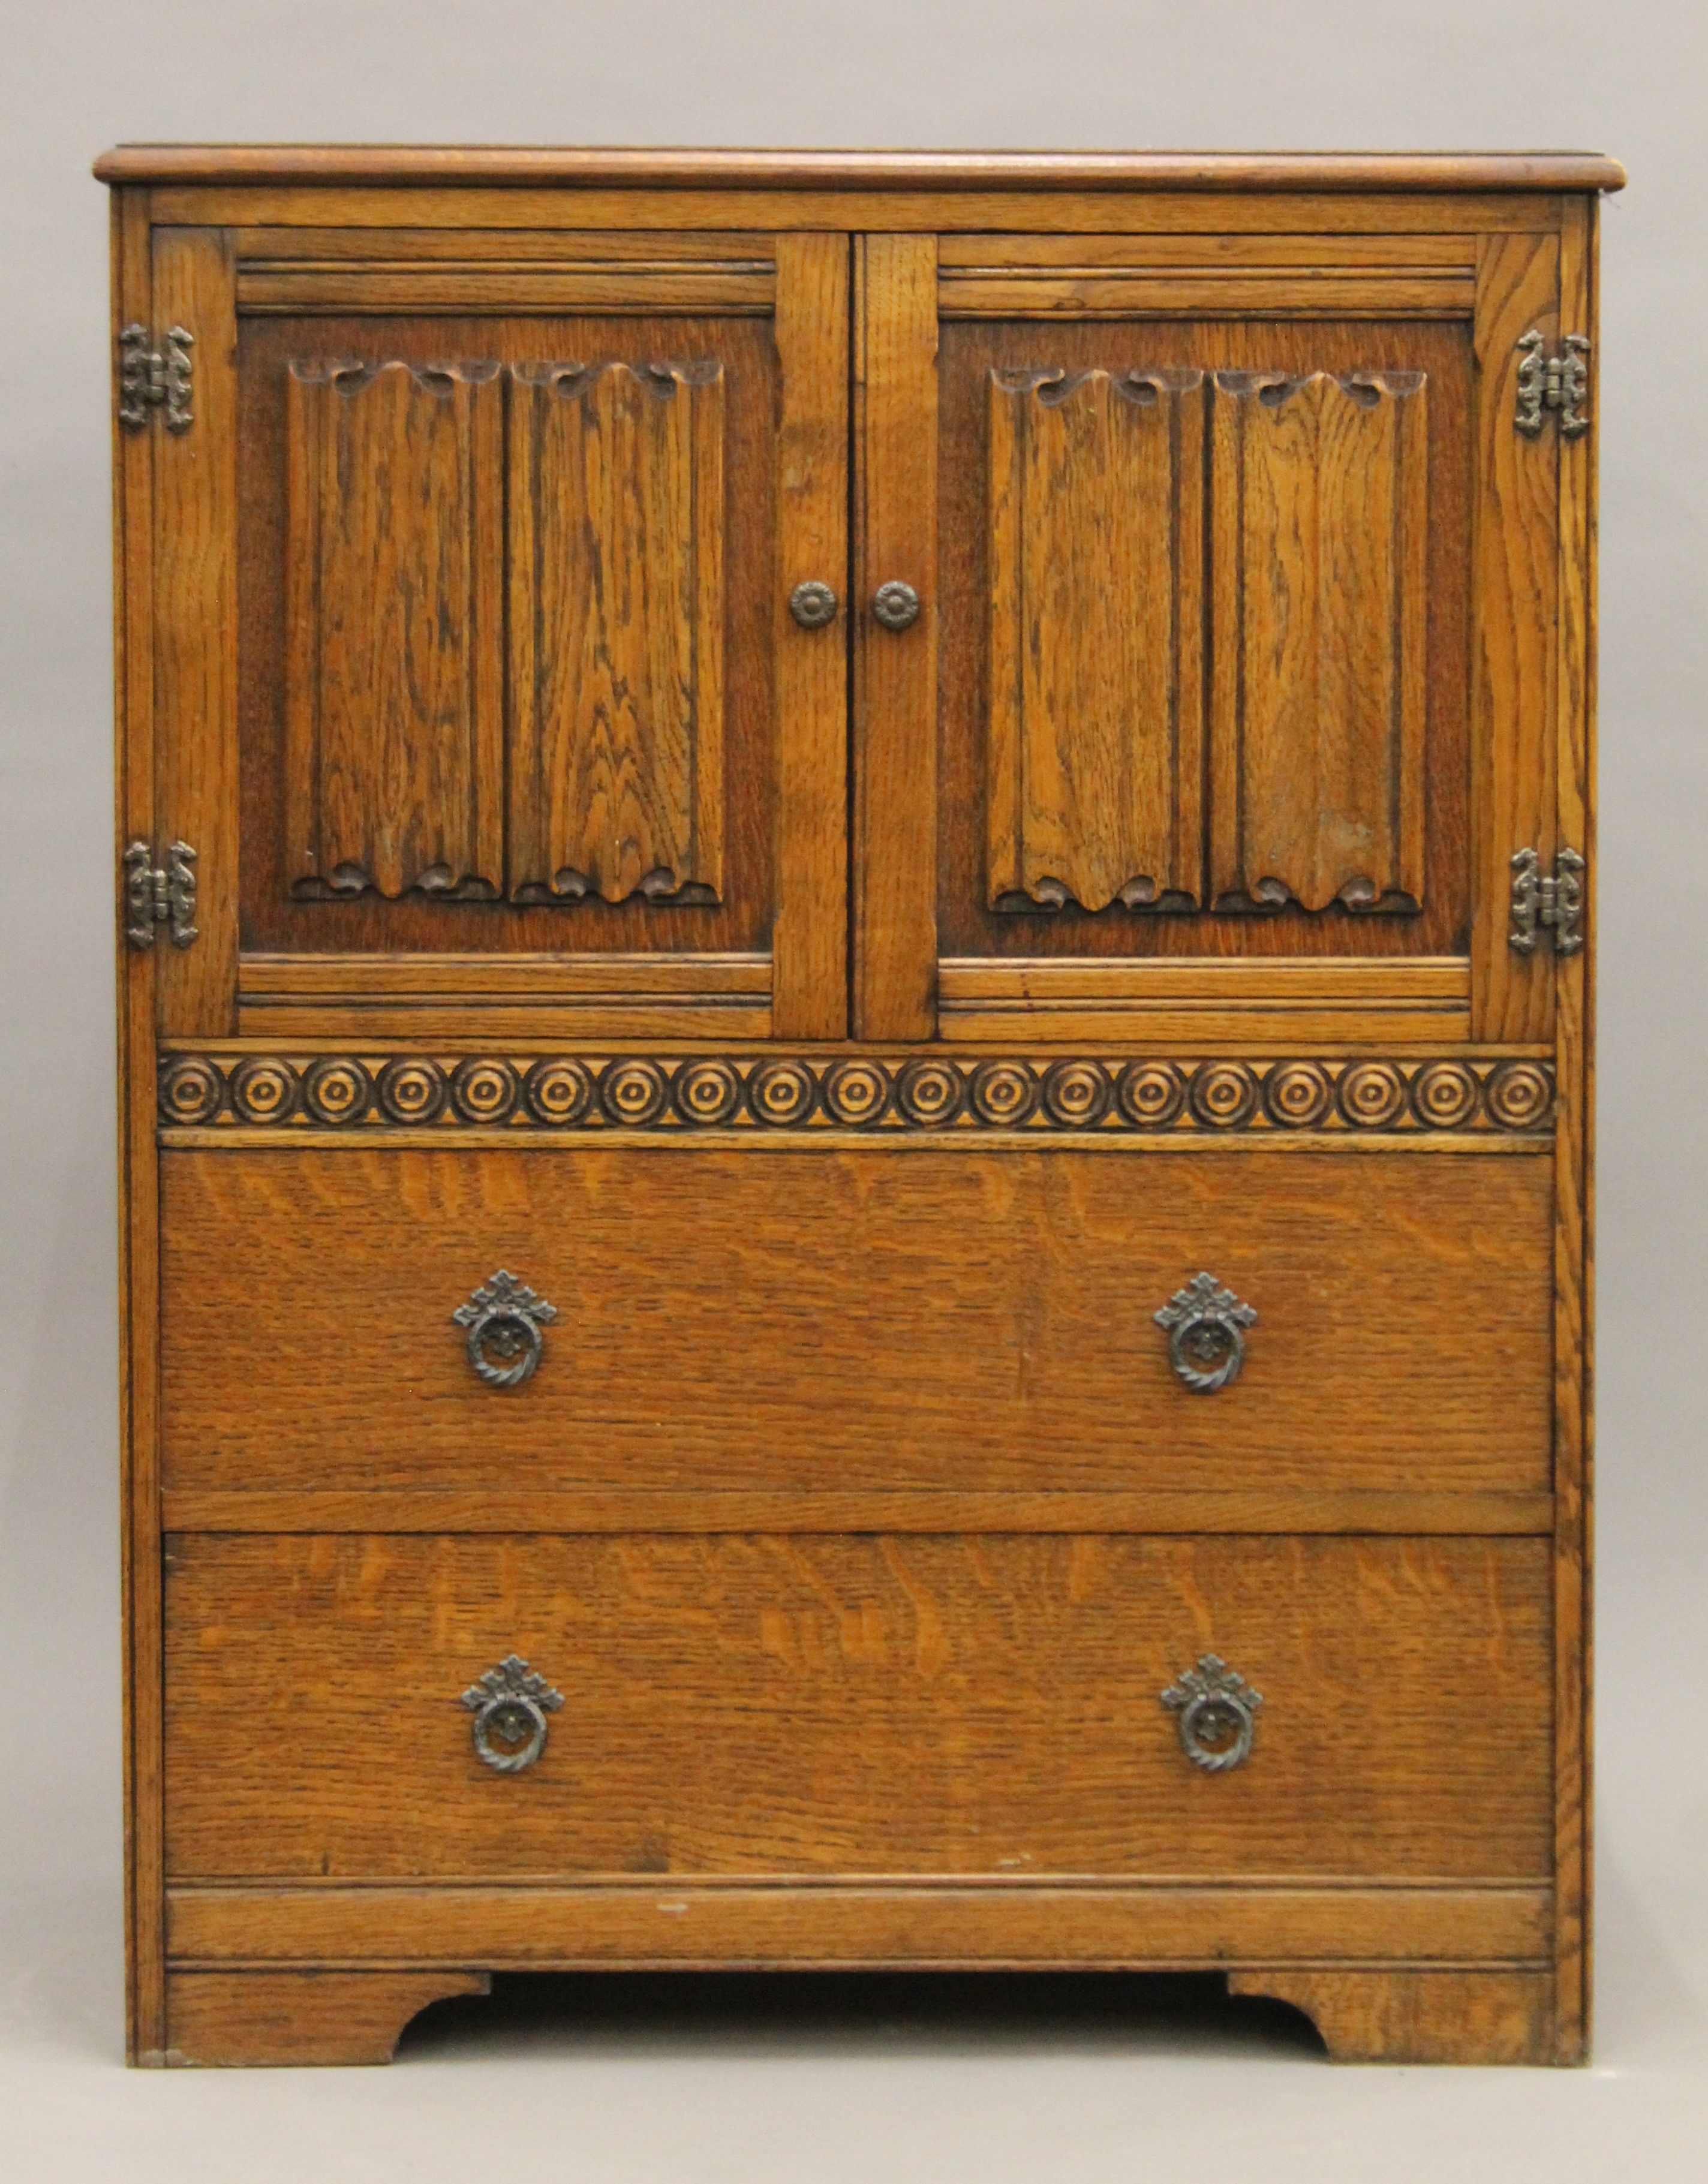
(1205, 1324)
(503, 1319)
(1216, 1714)
(812, 605)
(510, 1703)
(896, 605)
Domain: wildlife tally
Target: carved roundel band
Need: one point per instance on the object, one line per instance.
(923, 1091)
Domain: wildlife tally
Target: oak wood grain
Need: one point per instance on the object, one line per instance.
(615, 771)
(628, 292)
(292, 2018)
(1514, 657)
(194, 626)
(1244, 171)
(810, 936)
(1417, 2015)
(895, 725)
(1095, 735)
(394, 695)
(974, 1318)
(738, 1703)
(1010, 1919)
(1205, 294)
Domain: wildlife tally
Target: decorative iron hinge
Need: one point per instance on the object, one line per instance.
(155, 379)
(1550, 902)
(1553, 382)
(155, 896)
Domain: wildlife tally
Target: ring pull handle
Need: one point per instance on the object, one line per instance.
(505, 1318)
(1206, 1328)
(812, 605)
(510, 1704)
(1216, 1714)
(896, 605)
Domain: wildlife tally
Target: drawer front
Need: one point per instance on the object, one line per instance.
(940, 1705)
(814, 1320)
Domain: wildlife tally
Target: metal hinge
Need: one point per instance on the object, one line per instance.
(1550, 902)
(1553, 382)
(156, 896)
(155, 379)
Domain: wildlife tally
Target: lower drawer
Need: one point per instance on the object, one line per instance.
(819, 1705)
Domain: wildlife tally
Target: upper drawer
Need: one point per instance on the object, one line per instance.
(796, 1318)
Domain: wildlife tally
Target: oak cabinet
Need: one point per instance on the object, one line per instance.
(855, 1023)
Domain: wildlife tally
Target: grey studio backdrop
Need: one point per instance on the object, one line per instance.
(1313, 73)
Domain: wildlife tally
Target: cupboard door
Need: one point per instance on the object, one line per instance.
(500, 716)
(1228, 691)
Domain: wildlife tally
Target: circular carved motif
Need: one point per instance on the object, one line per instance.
(557, 1093)
(1004, 1093)
(1077, 1094)
(706, 1092)
(1224, 1094)
(930, 1093)
(412, 1091)
(1519, 1095)
(781, 1093)
(1151, 1093)
(1298, 1094)
(337, 1092)
(484, 1091)
(191, 1090)
(857, 1092)
(263, 1090)
(633, 1092)
(1445, 1096)
(1372, 1094)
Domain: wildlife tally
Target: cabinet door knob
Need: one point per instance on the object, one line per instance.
(812, 604)
(510, 1704)
(896, 605)
(503, 1319)
(1206, 1328)
(1215, 1711)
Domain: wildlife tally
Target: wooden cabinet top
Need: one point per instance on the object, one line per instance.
(715, 168)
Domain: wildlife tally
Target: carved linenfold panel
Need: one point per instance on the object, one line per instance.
(1096, 720)
(1319, 497)
(1217, 1096)
(394, 727)
(617, 631)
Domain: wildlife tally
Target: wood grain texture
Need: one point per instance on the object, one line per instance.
(1365, 700)
(1514, 654)
(1305, 258)
(1095, 735)
(844, 170)
(810, 938)
(644, 716)
(1011, 1918)
(395, 607)
(138, 1267)
(1417, 2016)
(628, 292)
(1206, 294)
(832, 1509)
(1318, 708)
(837, 1705)
(292, 2018)
(1574, 1349)
(976, 1320)
(616, 628)
(895, 753)
(276, 248)
(194, 630)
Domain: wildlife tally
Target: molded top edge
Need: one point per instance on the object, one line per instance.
(645, 167)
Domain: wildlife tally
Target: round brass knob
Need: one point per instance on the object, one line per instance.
(896, 605)
(812, 605)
